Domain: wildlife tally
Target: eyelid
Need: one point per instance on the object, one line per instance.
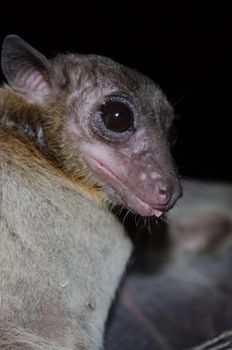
(121, 98)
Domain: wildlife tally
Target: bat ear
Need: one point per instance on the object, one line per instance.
(28, 71)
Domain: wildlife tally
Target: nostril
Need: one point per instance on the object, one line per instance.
(163, 195)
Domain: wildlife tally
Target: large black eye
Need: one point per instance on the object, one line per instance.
(117, 116)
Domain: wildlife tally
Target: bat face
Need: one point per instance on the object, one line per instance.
(102, 117)
(122, 132)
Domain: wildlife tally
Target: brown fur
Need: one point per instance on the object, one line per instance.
(50, 318)
(62, 251)
(18, 118)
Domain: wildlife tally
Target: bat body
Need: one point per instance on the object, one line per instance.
(78, 134)
(58, 272)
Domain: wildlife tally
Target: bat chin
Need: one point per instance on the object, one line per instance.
(128, 198)
(138, 205)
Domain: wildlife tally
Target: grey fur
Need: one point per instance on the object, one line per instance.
(61, 261)
(62, 255)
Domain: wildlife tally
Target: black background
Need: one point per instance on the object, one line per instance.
(184, 46)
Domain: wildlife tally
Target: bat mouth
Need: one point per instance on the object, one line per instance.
(130, 199)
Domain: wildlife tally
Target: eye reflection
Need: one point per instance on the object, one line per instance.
(117, 116)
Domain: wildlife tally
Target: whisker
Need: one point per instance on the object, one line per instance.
(157, 223)
(149, 227)
(127, 212)
(139, 219)
(184, 94)
(164, 219)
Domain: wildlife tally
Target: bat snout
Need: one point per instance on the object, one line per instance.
(165, 194)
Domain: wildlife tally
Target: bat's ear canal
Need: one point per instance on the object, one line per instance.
(27, 70)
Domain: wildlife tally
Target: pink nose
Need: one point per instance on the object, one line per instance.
(163, 194)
